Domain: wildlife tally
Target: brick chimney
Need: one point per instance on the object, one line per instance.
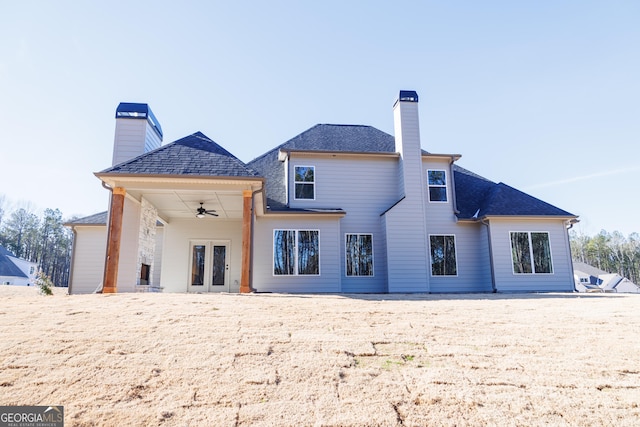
(137, 132)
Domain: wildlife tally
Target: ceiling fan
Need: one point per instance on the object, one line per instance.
(201, 212)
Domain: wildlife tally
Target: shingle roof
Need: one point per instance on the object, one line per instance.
(587, 269)
(7, 267)
(475, 195)
(193, 155)
(95, 219)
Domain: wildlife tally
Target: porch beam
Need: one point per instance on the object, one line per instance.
(110, 281)
(245, 285)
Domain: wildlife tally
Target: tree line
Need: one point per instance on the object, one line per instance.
(611, 252)
(43, 240)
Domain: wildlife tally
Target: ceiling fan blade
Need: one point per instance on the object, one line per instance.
(212, 213)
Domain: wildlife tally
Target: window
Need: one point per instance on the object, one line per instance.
(359, 253)
(443, 256)
(437, 180)
(531, 252)
(305, 187)
(296, 252)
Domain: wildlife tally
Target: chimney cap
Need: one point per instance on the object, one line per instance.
(134, 110)
(408, 96)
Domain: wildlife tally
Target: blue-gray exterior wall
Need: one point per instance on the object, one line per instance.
(364, 188)
(506, 280)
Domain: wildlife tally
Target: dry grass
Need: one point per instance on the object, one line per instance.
(413, 360)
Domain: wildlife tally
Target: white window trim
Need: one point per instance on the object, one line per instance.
(455, 251)
(446, 189)
(373, 257)
(533, 273)
(304, 182)
(273, 253)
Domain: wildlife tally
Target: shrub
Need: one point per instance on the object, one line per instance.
(44, 283)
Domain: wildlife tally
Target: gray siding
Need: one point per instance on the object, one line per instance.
(364, 187)
(329, 278)
(562, 277)
(472, 245)
(406, 248)
(88, 264)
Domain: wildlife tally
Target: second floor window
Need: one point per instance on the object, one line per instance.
(305, 183)
(437, 181)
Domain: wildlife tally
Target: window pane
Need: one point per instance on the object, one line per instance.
(520, 253)
(359, 254)
(541, 253)
(219, 265)
(304, 174)
(450, 265)
(304, 191)
(308, 252)
(443, 256)
(438, 194)
(197, 265)
(437, 177)
(284, 245)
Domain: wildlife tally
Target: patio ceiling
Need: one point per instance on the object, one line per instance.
(180, 197)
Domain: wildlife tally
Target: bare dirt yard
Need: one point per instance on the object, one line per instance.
(323, 360)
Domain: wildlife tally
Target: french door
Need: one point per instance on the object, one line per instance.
(209, 266)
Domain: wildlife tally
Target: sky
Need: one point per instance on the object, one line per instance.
(543, 96)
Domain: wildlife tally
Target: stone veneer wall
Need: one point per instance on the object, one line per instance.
(147, 238)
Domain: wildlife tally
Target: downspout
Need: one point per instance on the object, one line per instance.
(573, 274)
(453, 188)
(252, 236)
(493, 272)
(73, 260)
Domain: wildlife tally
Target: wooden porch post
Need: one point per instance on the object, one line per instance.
(245, 285)
(109, 284)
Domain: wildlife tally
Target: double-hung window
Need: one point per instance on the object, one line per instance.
(304, 183)
(531, 252)
(296, 252)
(359, 253)
(437, 182)
(443, 255)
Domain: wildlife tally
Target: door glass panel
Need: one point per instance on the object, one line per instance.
(197, 265)
(219, 265)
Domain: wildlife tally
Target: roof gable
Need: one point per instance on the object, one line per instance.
(321, 137)
(193, 155)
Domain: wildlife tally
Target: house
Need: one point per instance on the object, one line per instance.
(592, 279)
(16, 271)
(338, 208)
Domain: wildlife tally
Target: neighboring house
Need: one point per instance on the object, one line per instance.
(338, 208)
(592, 279)
(16, 271)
